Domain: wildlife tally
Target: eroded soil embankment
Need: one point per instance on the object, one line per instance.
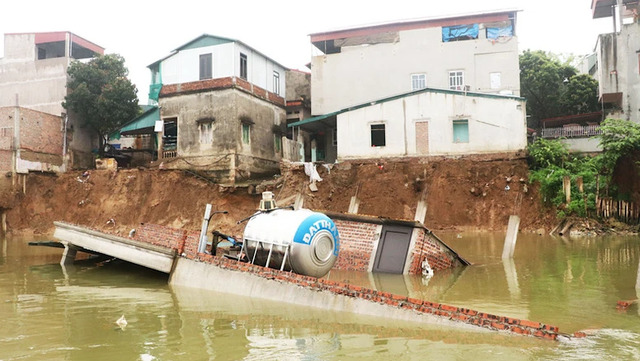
(470, 193)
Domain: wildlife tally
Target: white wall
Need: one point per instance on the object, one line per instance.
(583, 145)
(621, 73)
(369, 72)
(496, 124)
(184, 66)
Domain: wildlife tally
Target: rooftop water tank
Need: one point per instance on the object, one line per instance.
(301, 241)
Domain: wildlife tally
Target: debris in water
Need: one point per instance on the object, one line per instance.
(122, 322)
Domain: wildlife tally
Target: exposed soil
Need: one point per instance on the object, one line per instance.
(462, 194)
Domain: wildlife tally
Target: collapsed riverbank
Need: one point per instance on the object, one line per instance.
(470, 193)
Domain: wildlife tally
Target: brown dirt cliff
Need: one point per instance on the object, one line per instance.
(471, 193)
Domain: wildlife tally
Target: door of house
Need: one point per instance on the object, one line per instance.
(422, 137)
(392, 249)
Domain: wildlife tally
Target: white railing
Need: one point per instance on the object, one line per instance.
(572, 132)
(291, 149)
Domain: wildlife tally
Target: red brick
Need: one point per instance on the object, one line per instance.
(531, 324)
(449, 308)
(415, 301)
(498, 326)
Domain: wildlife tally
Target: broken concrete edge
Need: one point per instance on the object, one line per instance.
(345, 291)
(421, 307)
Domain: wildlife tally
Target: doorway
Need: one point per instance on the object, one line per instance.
(392, 249)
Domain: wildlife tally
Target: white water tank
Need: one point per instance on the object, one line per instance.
(311, 238)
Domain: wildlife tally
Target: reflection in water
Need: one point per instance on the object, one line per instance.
(512, 277)
(53, 313)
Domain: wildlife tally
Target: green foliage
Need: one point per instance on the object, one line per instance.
(552, 87)
(101, 94)
(551, 163)
(545, 153)
(579, 95)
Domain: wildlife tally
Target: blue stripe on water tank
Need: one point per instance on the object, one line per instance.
(312, 225)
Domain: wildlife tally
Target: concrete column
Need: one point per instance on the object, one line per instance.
(69, 254)
(421, 211)
(299, 202)
(512, 236)
(314, 148)
(354, 204)
(202, 245)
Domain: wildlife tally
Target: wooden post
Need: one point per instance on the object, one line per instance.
(597, 189)
(511, 238)
(566, 188)
(580, 184)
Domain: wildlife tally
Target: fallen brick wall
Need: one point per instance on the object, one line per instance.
(187, 241)
(357, 242)
(433, 250)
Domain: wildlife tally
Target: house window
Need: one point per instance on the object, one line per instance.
(243, 66)
(206, 132)
(377, 135)
(206, 66)
(418, 81)
(277, 142)
(334, 136)
(246, 133)
(461, 131)
(496, 81)
(496, 32)
(456, 80)
(276, 82)
(460, 32)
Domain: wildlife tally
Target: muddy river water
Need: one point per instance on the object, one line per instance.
(52, 313)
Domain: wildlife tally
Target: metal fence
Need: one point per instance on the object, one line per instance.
(578, 131)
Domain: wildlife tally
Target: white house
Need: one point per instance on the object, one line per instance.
(474, 52)
(446, 85)
(618, 54)
(430, 122)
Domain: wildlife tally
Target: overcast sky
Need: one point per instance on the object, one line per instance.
(145, 31)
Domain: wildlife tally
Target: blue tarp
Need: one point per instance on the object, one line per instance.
(459, 32)
(494, 33)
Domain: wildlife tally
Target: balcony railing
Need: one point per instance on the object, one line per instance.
(169, 154)
(572, 132)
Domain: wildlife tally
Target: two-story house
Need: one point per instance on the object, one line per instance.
(222, 108)
(33, 75)
(447, 85)
(618, 59)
